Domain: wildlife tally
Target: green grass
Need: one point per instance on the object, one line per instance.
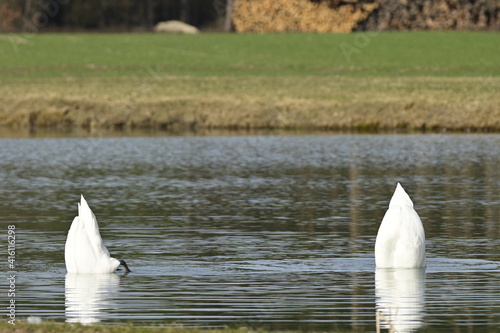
(358, 54)
(52, 327)
(410, 80)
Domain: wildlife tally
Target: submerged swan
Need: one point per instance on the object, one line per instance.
(85, 251)
(401, 238)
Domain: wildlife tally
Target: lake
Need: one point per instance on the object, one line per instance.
(267, 231)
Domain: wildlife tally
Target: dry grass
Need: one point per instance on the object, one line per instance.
(249, 81)
(453, 103)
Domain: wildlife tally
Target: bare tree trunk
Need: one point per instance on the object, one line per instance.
(228, 18)
(146, 14)
(28, 10)
(185, 11)
(149, 13)
(102, 19)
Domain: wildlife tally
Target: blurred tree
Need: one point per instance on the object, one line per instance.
(228, 18)
(9, 14)
(143, 14)
(185, 10)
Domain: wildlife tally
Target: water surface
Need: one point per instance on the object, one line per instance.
(272, 232)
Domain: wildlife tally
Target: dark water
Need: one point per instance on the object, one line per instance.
(273, 232)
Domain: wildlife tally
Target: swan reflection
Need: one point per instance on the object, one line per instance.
(89, 295)
(400, 299)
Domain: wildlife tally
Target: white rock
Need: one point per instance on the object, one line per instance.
(175, 27)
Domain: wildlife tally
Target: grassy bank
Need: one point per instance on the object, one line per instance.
(52, 327)
(287, 81)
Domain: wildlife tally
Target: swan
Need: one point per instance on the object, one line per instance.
(400, 240)
(84, 251)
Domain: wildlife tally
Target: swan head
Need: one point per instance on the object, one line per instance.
(124, 264)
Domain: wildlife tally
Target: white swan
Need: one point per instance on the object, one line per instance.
(401, 238)
(85, 251)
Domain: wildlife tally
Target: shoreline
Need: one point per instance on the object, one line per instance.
(180, 104)
(44, 132)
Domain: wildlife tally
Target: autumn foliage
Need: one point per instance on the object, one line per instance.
(299, 15)
(8, 17)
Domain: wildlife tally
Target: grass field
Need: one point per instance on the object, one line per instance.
(411, 80)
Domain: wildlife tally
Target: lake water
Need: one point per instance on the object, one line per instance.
(272, 232)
